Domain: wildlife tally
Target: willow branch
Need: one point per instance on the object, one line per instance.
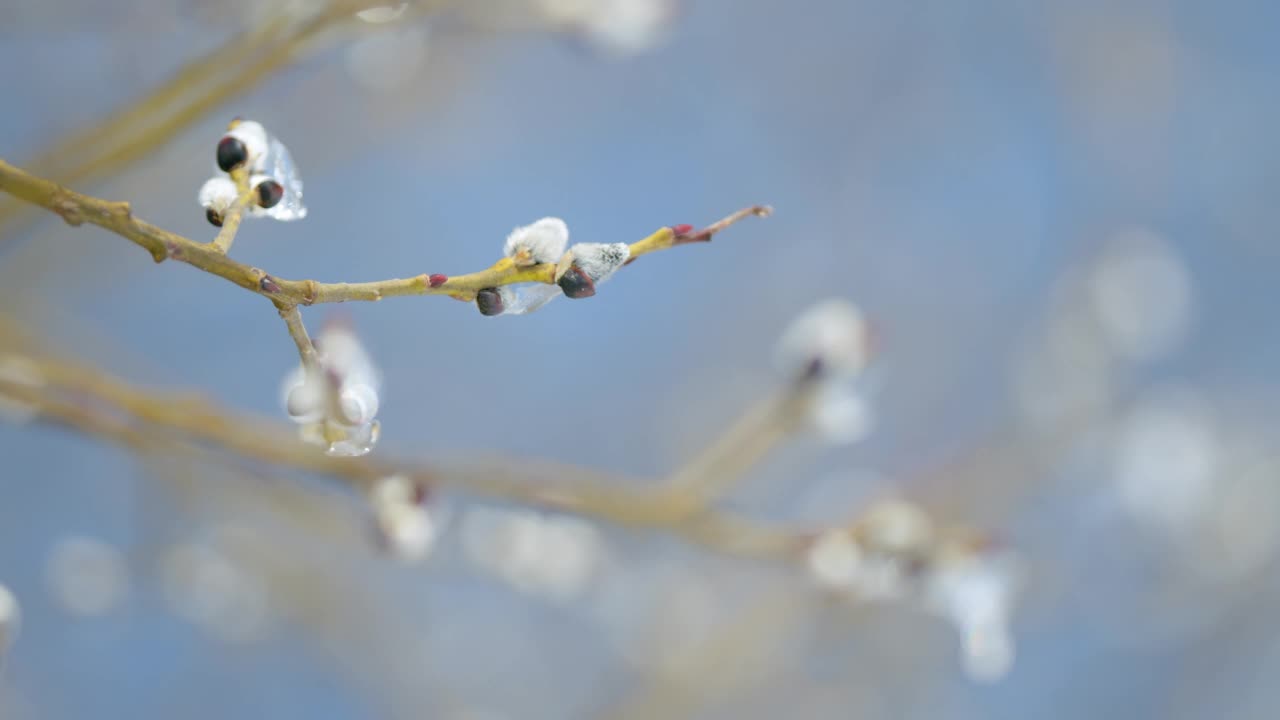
(89, 401)
(76, 209)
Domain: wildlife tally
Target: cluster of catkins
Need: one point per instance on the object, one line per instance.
(578, 270)
(273, 178)
(335, 401)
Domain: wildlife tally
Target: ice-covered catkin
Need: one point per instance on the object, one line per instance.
(515, 299)
(273, 176)
(543, 241)
(336, 403)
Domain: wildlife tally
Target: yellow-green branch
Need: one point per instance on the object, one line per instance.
(76, 209)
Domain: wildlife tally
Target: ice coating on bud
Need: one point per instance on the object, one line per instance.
(277, 164)
(543, 241)
(358, 404)
(600, 260)
(830, 338)
(336, 404)
(351, 441)
(524, 299)
(976, 594)
(217, 194)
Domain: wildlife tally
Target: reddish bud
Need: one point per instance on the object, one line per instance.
(437, 280)
(681, 229)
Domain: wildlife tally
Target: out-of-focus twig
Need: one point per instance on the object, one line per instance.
(99, 405)
(238, 66)
(738, 449)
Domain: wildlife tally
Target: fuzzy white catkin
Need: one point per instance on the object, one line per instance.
(217, 193)
(834, 332)
(255, 140)
(407, 526)
(542, 241)
(342, 353)
(600, 260)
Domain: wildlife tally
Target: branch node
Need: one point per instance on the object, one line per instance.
(268, 284)
(67, 208)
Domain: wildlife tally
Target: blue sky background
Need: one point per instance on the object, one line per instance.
(949, 166)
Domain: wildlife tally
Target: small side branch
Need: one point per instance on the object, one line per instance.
(298, 331)
(235, 214)
(742, 446)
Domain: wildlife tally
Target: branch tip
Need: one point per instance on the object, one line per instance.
(706, 233)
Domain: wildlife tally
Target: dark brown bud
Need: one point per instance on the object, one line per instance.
(231, 153)
(269, 193)
(576, 284)
(489, 301)
(213, 216)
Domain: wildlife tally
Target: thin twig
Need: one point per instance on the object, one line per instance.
(235, 214)
(298, 331)
(738, 449)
